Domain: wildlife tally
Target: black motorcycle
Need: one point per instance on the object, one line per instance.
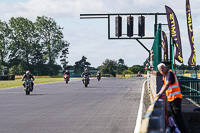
(98, 77)
(86, 80)
(28, 86)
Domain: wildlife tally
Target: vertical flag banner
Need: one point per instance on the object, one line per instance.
(175, 33)
(165, 46)
(192, 59)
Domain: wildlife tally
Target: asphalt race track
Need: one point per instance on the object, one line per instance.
(107, 106)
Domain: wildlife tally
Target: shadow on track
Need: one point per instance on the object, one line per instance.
(38, 94)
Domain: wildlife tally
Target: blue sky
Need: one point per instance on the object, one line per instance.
(89, 37)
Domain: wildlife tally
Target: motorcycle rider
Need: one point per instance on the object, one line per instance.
(98, 74)
(26, 76)
(67, 72)
(85, 73)
(139, 74)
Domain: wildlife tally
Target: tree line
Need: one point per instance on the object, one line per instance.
(118, 67)
(34, 46)
(108, 67)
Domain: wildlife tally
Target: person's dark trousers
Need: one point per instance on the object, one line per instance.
(32, 85)
(176, 110)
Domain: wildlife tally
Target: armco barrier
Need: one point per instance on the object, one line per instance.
(154, 119)
(7, 77)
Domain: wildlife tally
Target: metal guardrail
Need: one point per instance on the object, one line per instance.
(154, 119)
(7, 77)
(190, 88)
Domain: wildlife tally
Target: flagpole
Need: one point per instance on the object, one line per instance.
(196, 72)
(171, 51)
(172, 56)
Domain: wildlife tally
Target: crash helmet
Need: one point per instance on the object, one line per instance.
(66, 71)
(28, 73)
(86, 70)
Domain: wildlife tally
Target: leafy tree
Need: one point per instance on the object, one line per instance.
(81, 65)
(38, 60)
(136, 68)
(51, 37)
(121, 66)
(31, 46)
(18, 69)
(120, 62)
(63, 58)
(127, 72)
(4, 41)
(109, 67)
(22, 40)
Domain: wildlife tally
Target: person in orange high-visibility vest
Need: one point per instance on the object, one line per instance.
(173, 93)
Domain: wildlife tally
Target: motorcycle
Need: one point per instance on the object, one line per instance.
(28, 86)
(86, 80)
(66, 78)
(98, 77)
(139, 75)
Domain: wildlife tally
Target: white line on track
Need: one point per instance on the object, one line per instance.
(139, 117)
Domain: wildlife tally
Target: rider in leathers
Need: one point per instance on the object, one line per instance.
(26, 76)
(98, 74)
(85, 73)
(67, 72)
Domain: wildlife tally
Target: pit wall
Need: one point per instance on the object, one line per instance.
(155, 83)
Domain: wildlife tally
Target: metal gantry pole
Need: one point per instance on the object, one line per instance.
(159, 42)
(108, 26)
(155, 26)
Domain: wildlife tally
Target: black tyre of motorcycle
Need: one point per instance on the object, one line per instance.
(66, 81)
(27, 91)
(86, 83)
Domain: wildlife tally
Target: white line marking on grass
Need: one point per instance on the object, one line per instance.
(38, 84)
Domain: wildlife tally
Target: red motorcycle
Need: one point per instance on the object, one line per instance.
(139, 75)
(66, 78)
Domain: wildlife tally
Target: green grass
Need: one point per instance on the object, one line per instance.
(18, 82)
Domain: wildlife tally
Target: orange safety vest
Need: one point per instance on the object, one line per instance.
(174, 90)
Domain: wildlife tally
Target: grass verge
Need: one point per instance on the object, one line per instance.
(18, 82)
